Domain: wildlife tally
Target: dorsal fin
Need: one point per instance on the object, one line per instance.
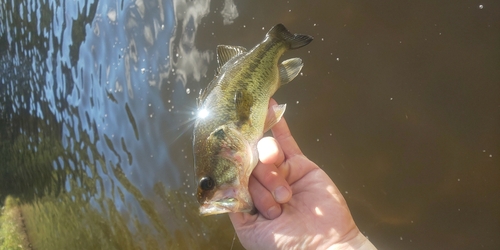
(226, 53)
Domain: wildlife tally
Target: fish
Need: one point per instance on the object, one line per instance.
(231, 118)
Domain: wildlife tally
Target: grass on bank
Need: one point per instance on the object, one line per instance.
(12, 233)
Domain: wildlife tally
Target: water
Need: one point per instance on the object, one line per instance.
(398, 102)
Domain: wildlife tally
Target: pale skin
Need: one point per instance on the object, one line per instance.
(299, 205)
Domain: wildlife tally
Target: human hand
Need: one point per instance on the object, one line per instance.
(299, 205)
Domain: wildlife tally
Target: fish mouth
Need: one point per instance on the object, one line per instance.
(230, 205)
(220, 203)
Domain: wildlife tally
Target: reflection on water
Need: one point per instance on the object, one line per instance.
(95, 122)
(97, 100)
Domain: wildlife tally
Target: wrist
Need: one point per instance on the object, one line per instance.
(359, 242)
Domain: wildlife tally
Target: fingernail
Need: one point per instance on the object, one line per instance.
(273, 212)
(281, 194)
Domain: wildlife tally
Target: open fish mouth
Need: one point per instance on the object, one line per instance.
(228, 199)
(218, 207)
(226, 205)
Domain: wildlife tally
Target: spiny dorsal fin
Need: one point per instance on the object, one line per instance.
(289, 69)
(226, 53)
(294, 41)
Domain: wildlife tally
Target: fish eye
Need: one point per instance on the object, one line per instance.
(207, 183)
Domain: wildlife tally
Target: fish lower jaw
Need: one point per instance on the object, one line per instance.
(230, 205)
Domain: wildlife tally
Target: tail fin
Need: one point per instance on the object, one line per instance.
(294, 41)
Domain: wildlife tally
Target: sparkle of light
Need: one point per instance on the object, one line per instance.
(202, 113)
(318, 211)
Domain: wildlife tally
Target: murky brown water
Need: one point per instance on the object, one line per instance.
(398, 101)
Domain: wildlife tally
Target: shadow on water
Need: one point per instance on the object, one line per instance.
(97, 100)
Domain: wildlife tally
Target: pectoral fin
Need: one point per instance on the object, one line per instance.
(244, 102)
(289, 69)
(275, 116)
(220, 138)
(224, 141)
(218, 134)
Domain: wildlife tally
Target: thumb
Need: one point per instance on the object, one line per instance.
(270, 151)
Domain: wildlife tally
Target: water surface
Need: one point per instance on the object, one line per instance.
(398, 102)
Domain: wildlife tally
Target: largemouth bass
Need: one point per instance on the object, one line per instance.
(232, 113)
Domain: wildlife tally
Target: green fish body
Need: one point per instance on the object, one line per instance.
(232, 118)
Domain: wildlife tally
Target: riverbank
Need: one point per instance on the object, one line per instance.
(12, 231)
